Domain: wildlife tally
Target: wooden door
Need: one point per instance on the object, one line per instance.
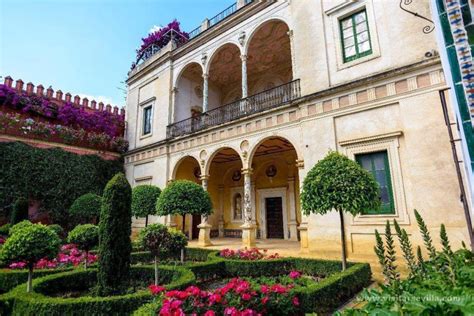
(274, 218)
(196, 222)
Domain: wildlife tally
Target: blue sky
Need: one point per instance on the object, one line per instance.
(86, 47)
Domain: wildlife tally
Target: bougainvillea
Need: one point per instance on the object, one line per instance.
(238, 297)
(68, 256)
(248, 254)
(68, 114)
(15, 124)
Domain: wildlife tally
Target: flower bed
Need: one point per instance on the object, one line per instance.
(248, 254)
(16, 125)
(44, 301)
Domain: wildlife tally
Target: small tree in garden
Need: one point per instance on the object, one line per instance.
(144, 199)
(338, 183)
(20, 211)
(157, 239)
(86, 208)
(183, 197)
(57, 229)
(114, 236)
(178, 241)
(85, 237)
(30, 244)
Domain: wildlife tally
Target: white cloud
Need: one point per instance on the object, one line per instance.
(154, 29)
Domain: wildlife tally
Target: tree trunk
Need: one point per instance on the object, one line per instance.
(182, 250)
(156, 270)
(343, 241)
(146, 221)
(29, 285)
(85, 260)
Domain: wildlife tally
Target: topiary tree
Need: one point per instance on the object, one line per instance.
(85, 237)
(157, 239)
(57, 229)
(144, 199)
(178, 241)
(114, 236)
(20, 211)
(183, 197)
(30, 244)
(86, 208)
(338, 183)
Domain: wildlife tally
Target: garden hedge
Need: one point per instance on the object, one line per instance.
(39, 302)
(11, 278)
(53, 176)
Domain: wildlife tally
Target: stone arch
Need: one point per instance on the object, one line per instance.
(188, 98)
(262, 140)
(255, 30)
(180, 161)
(215, 152)
(212, 55)
(182, 69)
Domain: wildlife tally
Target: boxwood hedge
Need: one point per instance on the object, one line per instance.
(40, 301)
(11, 278)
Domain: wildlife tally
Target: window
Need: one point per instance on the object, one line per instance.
(377, 164)
(355, 36)
(147, 120)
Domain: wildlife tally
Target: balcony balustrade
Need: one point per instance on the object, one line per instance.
(257, 103)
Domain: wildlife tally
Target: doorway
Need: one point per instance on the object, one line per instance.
(195, 229)
(274, 218)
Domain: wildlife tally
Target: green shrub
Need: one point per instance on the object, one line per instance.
(85, 237)
(178, 241)
(5, 230)
(11, 278)
(338, 183)
(86, 208)
(19, 226)
(144, 198)
(114, 236)
(42, 303)
(57, 229)
(157, 239)
(29, 245)
(20, 211)
(52, 176)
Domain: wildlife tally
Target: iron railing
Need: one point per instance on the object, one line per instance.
(260, 102)
(222, 15)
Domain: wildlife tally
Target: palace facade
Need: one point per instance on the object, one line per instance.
(262, 91)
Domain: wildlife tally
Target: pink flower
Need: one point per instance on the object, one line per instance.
(232, 311)
(155, 289)
(265, 300)
(193, 290)
(210, 313)
(278, 288)
(295, 274)
(296, 301)
(246, 297)
(17, 265)
(215, 298)
(264, 289)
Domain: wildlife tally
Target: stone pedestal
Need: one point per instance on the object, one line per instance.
(304, 241)
(293, 231)
(204, 235)
(249, 233)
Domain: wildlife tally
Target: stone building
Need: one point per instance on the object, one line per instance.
(265, 89)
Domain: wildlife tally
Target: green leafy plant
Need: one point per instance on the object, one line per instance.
(53, 177)
(57, 229)
(156, 239)
(338, 183)
(85, 237)
(114, 236)
(178, 241)
(86, 208)
(407, 250)
(426, 235)
(20, 226)
(30, 244)
(5, 230)
(144, 198)
(183, 197)
(20, 211)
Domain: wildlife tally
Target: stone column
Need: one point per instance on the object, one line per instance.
(205, 93)
(292, 50)
(204, 228)
(254, 207)
(304, 238)
(244, 76)
(221, 208)
(248, 228)
(291, 197)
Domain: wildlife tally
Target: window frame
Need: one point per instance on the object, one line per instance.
(383, 209)
(144, 111)
(358, 55)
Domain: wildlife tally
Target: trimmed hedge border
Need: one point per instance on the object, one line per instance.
(321, 297)
(18, 302)
(10, 278)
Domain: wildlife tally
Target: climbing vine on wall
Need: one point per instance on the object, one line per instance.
(52, 176)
